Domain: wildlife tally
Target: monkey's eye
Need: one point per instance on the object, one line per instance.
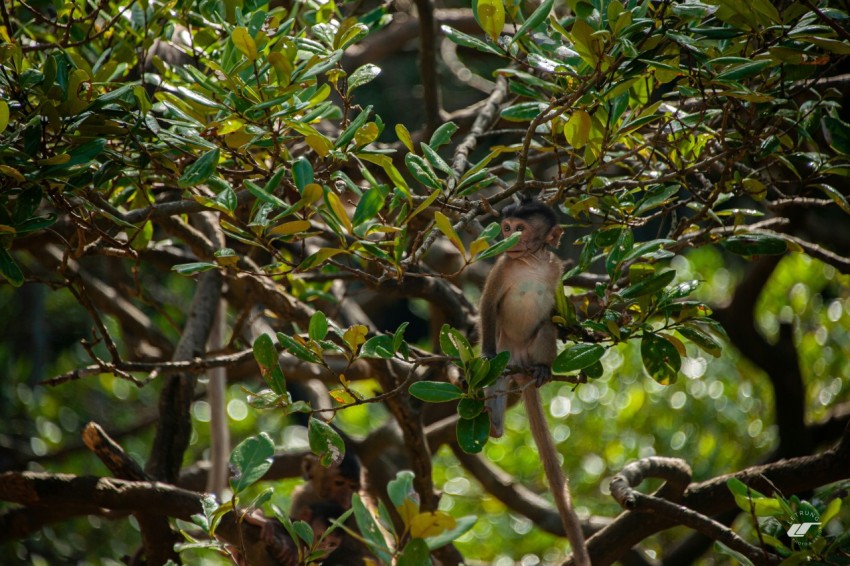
(520, 227)
(506, 227)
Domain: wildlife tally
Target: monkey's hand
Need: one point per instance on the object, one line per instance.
(542, 374)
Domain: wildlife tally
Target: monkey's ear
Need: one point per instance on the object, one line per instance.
(308, 466)
(553, 238)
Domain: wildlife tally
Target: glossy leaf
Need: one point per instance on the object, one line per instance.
(363, 75)
(540, 15)
(201, 170)
(435, 391)
(472, 434)
(318, 327)
(755, 244)
(10, 270)
(251, 459)
(442, 135)
(378, 347)
(649, 286)
(660, 358)
(325, 442)
(577, 357)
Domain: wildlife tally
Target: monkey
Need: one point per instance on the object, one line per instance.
(319, 515)
(336, 483)
(516, 316)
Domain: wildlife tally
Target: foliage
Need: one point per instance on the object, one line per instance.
(149, 146)
(803, 524)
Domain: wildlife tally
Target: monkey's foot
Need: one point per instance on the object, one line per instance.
(541, 374)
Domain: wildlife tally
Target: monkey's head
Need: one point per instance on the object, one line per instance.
(537, 225)
(336, 483)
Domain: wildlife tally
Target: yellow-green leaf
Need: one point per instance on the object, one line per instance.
(354, 336)
(338, 210)
(404, 136)
(431, 524)
(4, 115)
(320, 144)
(491, 16)
(282, 67)
(289, 228)
(445, 226)
(12, 172)
(577, 129)
(245, 43)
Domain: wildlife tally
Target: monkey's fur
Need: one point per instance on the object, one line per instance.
(516, 316)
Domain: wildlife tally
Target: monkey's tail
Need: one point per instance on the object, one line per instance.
(554, 474)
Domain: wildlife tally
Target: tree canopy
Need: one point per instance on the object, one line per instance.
(280, 214)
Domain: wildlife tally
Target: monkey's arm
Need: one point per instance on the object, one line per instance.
(488, 308)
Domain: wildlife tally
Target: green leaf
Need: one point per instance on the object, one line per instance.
(251, 459)
(491, 17)
(498, 248)
(325, 442)
(470, 408)
(472, 434)
(369, 529)
(446, 345)
(365, 74)
(353, 127)
(201, 170)
(523, 112)
(839, 134)
(649, 286)
(192, 268)
(378, 347)
(266, 355)
(625, 243)
(318, 327)
(304, 531)
(435, 391)
(835, 195)
(703, 340)
(9, 268)
(436, 161)
(421, 171)
(498, 363)
(296, 349)
(401, 490)
(577, 357)
(647, 248)
(747, 69)
(536, 18)
(371, 203)
(442, 135)
(302, 173)
(660, 358)
(723, 550)
(755, 244)
(465, 40)
(415, 553)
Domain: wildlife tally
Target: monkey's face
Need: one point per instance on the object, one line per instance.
(535, 232)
